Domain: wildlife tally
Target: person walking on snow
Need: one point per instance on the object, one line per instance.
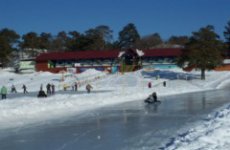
(3, 92)
(13, 89)
(52, 89)
(48, 89)
(75, 86)
(24, 89)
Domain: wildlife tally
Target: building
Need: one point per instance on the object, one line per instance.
(101, 60)
(25, 65)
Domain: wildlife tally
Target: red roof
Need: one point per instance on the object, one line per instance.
(164, 52)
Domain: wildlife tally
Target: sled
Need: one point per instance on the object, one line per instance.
(148, 101)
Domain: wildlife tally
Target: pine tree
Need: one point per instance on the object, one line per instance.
(129, 36)
(203, 50)
(8, 43)
(5, 51)
(227, 37)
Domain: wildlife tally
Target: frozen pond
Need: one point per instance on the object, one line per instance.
(132, 125)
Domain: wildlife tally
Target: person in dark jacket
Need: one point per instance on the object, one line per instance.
(164, 83)
(52, 89)
(152, 98)
(13, 89)
(41, 93)
(24, 89)
(48, 89)
(75, 86)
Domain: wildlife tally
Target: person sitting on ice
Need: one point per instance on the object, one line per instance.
(41, 93)
(152, 98)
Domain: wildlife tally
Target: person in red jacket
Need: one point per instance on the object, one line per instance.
(150, 85)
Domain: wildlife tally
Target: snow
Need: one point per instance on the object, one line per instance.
(110, 89)
(211, 134)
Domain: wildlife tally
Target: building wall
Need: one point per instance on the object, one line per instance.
(225, 67)
(43, 66)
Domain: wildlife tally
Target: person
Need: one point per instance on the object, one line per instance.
(75, 86)
(48, 89)
(150, 85)
(65, 86)
(164, 83)
(24, 89)
(52, 89)
(152, 98)
(88, 88)
(13, 89)
(3, 92)
(41, 93)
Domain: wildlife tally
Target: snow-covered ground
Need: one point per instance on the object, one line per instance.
(212, 133)
(108, 90)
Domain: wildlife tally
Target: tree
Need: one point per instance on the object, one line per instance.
(150, 41)
(106, 33)
(95, 39)
(5, 51)
(72, 42)
(10, 36)
(45, 41)
(59, 43)
(227, 37)
(178, 40)
(9, 40)
(30, 43)
(203, 50)
(129, 36)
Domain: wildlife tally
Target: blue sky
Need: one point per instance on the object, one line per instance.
(166, 17)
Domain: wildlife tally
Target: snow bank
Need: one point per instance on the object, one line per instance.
(212, 133)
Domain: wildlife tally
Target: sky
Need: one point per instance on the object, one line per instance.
(166, 17)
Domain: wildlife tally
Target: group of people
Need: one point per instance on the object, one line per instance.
(150, 84)
(50, 90)
(13, 90)
(75, 86)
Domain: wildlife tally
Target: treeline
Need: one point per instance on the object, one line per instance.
(98, 38)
